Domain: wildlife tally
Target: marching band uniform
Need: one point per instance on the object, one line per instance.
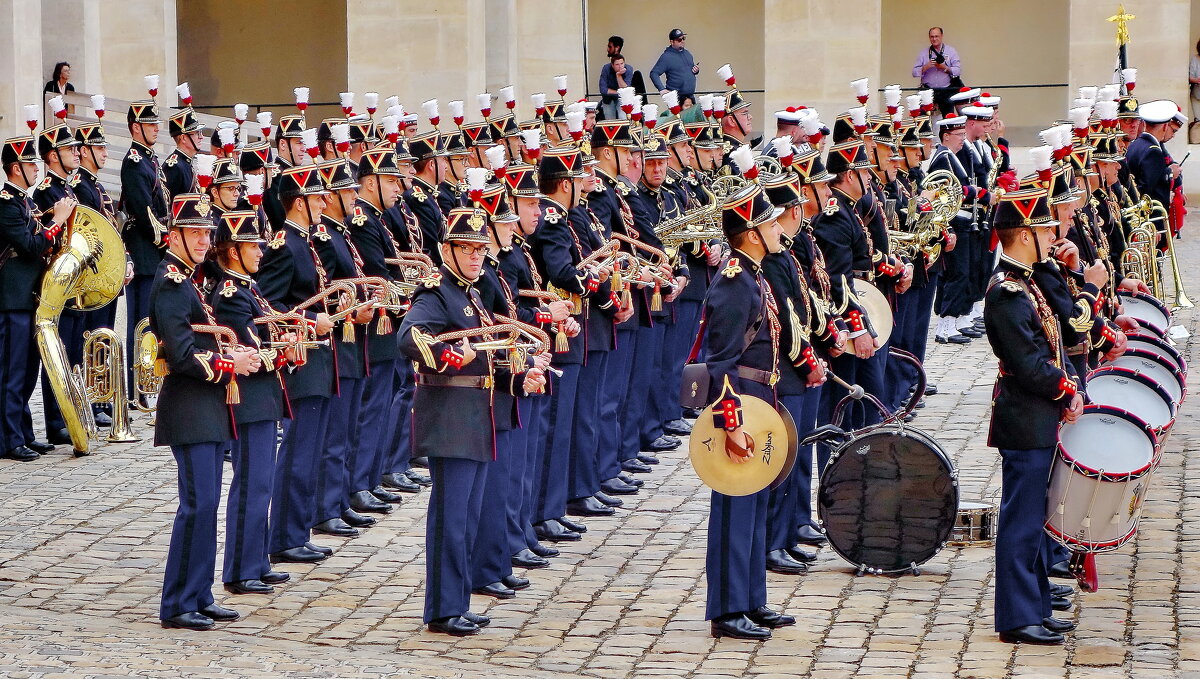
(91, 193)
(177, 168)
(421, 197)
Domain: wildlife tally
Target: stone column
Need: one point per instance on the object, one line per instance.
(20, 62)
(135, 38)
(547, 39)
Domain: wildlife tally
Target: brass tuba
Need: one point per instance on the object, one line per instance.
(87, 272)
(103, 373)
(147, 377)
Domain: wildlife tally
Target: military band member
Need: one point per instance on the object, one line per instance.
(225, 191)
(1036, 389)
(193, 416)
(236, 302)
(452, 190)
(452, 418)
(26, 239)
(742, 351)
(1149, 162)
(186, 132)
(978, 159)
(428, 164)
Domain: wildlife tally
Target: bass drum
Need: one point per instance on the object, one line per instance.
(1157, 369)
(1157, 345)
(1148, 311)
(1134, 392)
(888, 499)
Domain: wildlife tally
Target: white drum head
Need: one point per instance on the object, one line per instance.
(1112, 389)
(1143, 309)
(1155, 371)
(1105, 442)
(1146, 345)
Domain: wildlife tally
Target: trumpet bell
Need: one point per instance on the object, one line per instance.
(98, 245)
(771, 460)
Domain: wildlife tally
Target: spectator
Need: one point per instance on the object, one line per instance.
(613, 76)
(616, 45)
(1194, 79)
(939, 69)
(60, 82)
(679, 67)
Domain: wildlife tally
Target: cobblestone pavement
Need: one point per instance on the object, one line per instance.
(83, 541)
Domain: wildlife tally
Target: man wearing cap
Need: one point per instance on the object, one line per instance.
(738, 123)
(291, 274)
(677, 64)
(193, 415)
(27, 236)
(1147, 156)
(1036, 390)
(145, 201)
(742, 344)
(421, 197)
(256, 159)
(236, 301)
(453, 417)
(453, 188)
(977, 159)
(185, 132)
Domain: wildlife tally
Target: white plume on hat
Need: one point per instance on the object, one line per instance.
(637, 106)
(254, 184)
(706, 102)
(1106, 110)
(309, 137)
(718, 102)
(240, 111)
(858, 115)
(891, 95)
(1079, 116)
(580, 106)
(1083, 103)
(340, 132)
(538, 99)
(151, 81)
(431, 108)
(671, 98)
(97, 102)
(497, 156)
(560, 82)
(1040, 157)
(1109, 93)
(1088, 92)
(484, 100)
(913, 102)
(782, 146)
(390, 102)
(57, 104)
(508, 94)
(456, 108)
(1129, 75)
(346, 99)
(575, 121)
(650, 111)
(743, 157)
(1050, 136)
(862, 87)
(183, 90)
(926, 97)
(477, 178)
(532, 138)
(811, 123)
(227, 135)
(301, 94)
(371, 99)
(397, 111)
(625, 95)
(32, 111)
(203, 164)
(725, 72)
(264, 118)
(391, 124)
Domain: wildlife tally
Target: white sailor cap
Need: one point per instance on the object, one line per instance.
(965, 94)
(989, 100)
(1158, 111)
(977, 112)
(790, 115)
(952, 120)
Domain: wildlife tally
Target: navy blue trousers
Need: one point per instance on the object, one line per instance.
(18, 375)
(491, 559)
(640, 376)
(680, 337)
(956, 290)
(556, 456)
(399, 431)
(648, 365)
(736, 561)
(1022, 588)
(583, 479)
(451, 524)
(872, 376)
(192, 556)
(249, 497)
(807, 421)
(612, 402)
(293, 501)
(535, 455)
(913, 313)
(520, 481)
(341, 450)
(845, 367)
(373, 444)
(137, 307)
(784, 502)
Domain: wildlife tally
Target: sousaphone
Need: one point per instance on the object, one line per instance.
(774, 450)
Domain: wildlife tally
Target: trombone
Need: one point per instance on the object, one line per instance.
(291, 324)
(227, 342)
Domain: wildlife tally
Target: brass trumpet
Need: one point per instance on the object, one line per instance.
(1140, 259)
(560, 333)
(658, 259)
(227, 342)
(519, 339)
(292, 323)
(104, 380)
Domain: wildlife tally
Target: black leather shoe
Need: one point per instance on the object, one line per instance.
(677, 428)
(480, 620)
(419, 477)
(1056, 625)
(456, 626)
(807, 535)
(588, 506)
(930, 389)
(738, 626)
(779, 561)
(970, 332)
(275, 577)
(527, 559)
(192, 621)
(319, 549)
(39, 447)
(543, 551)
(1061, 570)
(22, 454)
(635, 466)
(336, 527)
(608, 499)
(1061, 590)
(220, 613)
(571, 525)
(102, 419)
(356, 520)
(691, 413)
(553, 531)
(400, 482)
(630, 479)
(297, 555)
(384, 495)
(248, 587)
(1031, 634)
(909, 417)
(663, 443)
(59, 436)
(515, 582)
(420, 462)
(1060, 603)
(765, 617)
(496, 589)
(920, 404)
(647, 458)
(364, 501)
(801, 555)
(617, 487)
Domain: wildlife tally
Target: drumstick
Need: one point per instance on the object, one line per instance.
(855, 390)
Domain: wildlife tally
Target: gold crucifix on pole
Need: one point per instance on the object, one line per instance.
(1121, 19)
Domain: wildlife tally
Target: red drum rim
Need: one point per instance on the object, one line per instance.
(1160, 343)
(1149, 382)
(1153, 357)
(1103, 546)
(1148, 299)
(1110, 477)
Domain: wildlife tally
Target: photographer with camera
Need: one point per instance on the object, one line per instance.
(939, 69)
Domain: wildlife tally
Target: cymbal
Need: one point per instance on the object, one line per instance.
(771, 450)
(879, 310)
(793, 446)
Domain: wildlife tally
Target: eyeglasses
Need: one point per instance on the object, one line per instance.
(472, 251)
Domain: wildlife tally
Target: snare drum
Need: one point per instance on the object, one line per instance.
(888, 499)
(1148, 310)
(1157, 345)
(976, 525)
(1135, 392)
(1099, 479)
(1156, 368)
